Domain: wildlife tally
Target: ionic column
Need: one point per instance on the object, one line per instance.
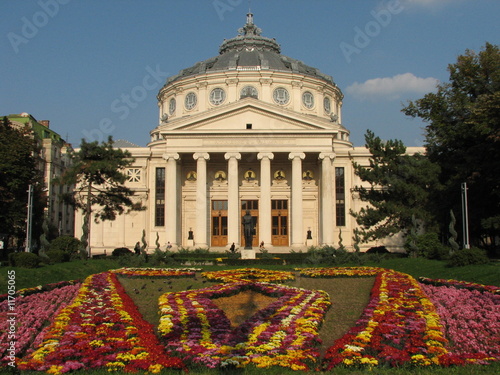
(296, 209)
(200, 234)
(265, 198)
(327, 191)
(171, 198)
(233, 207)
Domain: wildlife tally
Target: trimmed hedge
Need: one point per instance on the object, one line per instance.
(25, 260)
(121, 251)
(58, 256)
(468, 257)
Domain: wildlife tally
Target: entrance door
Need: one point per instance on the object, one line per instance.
(219, 223)
(279, 230)
(253, 207)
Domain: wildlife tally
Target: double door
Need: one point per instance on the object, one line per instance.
(219, 223)
(279, 222)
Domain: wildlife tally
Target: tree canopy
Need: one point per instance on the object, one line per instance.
(97, 172)
(399, 189)
(17, 171)
(462, 135)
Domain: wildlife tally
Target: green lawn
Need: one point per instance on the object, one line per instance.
(483, 274)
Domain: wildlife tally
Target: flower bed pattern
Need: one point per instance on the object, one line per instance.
(249, 274)
(283, 334)
(340, 272)
(399, 326)
(460, 285)
(471, 320)
(40, 289)
(156, 272)
(101, 328)
(33, 314)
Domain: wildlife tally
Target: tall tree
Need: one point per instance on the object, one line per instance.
(18, 171)
(98, 177)
(398, 192)
(463, 136)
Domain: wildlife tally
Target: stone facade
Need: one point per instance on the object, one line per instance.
(250, 129)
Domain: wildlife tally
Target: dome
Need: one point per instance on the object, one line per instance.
(249, 51)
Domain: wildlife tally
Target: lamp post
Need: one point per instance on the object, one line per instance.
(29, 219)
(465, 216)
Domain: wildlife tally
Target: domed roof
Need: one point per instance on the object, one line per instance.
(250, 51)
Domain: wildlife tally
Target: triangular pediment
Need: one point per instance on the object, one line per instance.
(248, 114)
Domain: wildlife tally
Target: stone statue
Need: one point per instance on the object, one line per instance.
(248, 229)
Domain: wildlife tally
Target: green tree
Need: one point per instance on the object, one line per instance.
(463, 136)
(18, 171)
(399, 188)
(97, 174)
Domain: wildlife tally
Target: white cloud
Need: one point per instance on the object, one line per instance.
(392, 87)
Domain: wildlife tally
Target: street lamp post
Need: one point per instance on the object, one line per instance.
(465, 216)
(29, 219)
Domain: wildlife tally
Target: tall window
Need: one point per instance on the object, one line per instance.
(160, 197)
(340, 196)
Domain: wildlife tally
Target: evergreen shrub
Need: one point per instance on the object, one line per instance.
(58, 256)
(467, 257)
(430, 247)
(25, 260)
(68, 244)
(121, 251)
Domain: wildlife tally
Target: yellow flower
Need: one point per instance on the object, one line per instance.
(155, 369)
(56, 370)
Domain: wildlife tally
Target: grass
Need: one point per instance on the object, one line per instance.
(488, 274)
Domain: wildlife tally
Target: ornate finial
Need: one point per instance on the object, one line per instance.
(249, 29)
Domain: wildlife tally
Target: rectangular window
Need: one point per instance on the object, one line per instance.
(340, 196)
(160, 197)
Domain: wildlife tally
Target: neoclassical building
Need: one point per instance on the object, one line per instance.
(249, 129)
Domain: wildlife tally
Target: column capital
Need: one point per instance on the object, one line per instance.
(201, 155)
(174, 155)
(262, 155)
(235, 155)
(293, 155)
(326, 155)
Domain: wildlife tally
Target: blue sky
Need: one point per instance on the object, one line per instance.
(74, 62)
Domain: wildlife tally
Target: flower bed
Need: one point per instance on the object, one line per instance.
(471, 321)
(33, 314)
(249, 274)
(460, 285)
(283, 334)
(156, 272)
(340, 272)
(399, 326)
(101, 328)
(404, 323)
(40, 289)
